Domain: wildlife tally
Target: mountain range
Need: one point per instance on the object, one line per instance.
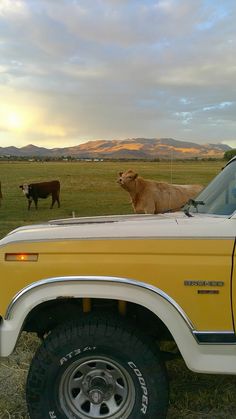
(132, 148)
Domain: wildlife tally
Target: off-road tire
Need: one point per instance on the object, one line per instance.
(97, 368)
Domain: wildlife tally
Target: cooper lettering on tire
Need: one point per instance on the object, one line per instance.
(97, 368)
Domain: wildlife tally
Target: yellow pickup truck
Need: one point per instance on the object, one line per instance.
(104, 293)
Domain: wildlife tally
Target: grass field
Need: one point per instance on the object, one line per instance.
(91, 189)
(86, 188)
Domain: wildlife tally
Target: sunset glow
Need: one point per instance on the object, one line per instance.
(15, 121)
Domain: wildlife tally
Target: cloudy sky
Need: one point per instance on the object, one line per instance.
(79, 70)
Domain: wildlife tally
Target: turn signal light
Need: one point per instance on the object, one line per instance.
(21, 257)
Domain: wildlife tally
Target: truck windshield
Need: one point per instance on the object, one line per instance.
(219, 197)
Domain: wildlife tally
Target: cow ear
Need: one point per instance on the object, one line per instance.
(21, 186)
(121, 173)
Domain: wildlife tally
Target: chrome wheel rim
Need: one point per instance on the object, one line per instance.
(96, 388)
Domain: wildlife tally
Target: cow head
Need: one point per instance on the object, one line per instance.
(126, 179)
(25, 189)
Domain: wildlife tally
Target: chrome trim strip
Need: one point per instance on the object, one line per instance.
(118, 280)
(113, 238)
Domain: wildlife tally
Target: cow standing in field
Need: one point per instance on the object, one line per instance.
(152, 197)
(34, 191)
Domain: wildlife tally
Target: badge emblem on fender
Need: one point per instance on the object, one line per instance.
(204, 283)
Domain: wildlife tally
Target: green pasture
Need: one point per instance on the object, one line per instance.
(87, 188)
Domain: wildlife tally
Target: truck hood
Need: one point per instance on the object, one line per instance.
(171, 225)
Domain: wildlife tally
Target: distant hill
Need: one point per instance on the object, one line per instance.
(131, 148)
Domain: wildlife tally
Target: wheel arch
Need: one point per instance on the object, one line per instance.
(108, 288)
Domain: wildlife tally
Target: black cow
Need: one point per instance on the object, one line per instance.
(34, 191)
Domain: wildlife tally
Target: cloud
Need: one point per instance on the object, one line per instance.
(222, 105)
(111, 69)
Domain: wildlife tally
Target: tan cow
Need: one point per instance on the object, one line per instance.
(151, 197)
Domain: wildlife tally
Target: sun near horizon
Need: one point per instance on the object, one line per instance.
(15, 121)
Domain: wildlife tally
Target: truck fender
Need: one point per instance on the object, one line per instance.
(197, 357)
